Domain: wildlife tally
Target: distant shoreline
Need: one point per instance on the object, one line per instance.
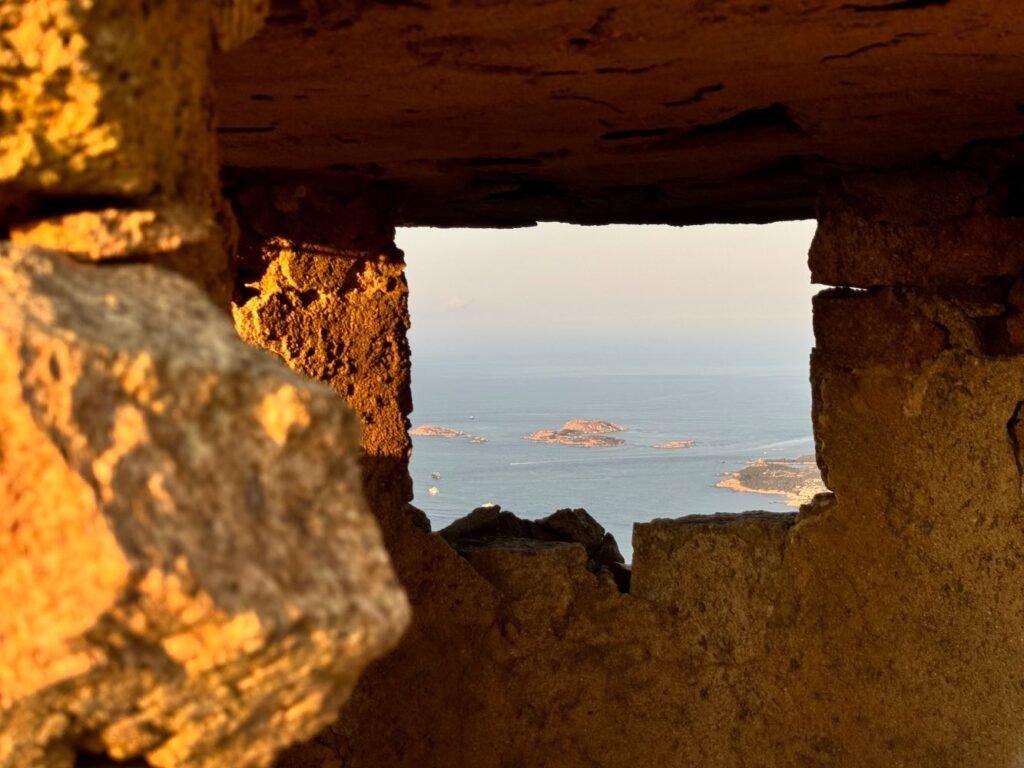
(797, 480)
(446, 433)
(675, 445)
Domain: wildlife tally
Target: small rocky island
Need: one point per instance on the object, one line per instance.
(432, 430)
(798, 480)
(591, 426)
(581, 433)
(675, 445)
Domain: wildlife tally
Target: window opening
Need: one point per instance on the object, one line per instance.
(658, 370)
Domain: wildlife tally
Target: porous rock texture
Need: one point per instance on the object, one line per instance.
(106, 128)
(73, 74)
(321, 283)
(190, 574)
(720, 572)
(917, 439)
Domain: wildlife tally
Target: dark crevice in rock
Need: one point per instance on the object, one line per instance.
(24, 207)
(625, 70)
(490, 528)
(775, 116)
(247, 128)
(1015, 431)
(558, 73)
(697, 96)
(501, 69)
(900, 5)
(484, 162)
(898, 40)
(92, 760)
(640, 133)
(588, 100)
(306, 298)
(993, 308)
(600, 25)
(858, 51)
(1013, 205)
(249, 265)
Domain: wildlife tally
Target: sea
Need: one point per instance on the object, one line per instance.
(754, 406)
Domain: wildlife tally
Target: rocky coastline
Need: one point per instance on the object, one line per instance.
(447, 433)
(581, 433)
(797, 480)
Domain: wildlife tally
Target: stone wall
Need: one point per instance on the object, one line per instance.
(916, 386)
(878, 626)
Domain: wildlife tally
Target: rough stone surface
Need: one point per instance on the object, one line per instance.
(927, 541)
(190, 572)
(322, 284)
(489, 528)
(909, 325)
(102, 98)
(488, 112)
(187, 239)
(106, 120)
(113, 233)
(934, 227)
(720, 572)
(562, 670)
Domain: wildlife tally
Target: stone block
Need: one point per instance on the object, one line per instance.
(102, 98)
(930, 229)
(882, 327)
(190, 574)
(719, 573)
(341, 317)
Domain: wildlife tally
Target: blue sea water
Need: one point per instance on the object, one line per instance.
(733, 415)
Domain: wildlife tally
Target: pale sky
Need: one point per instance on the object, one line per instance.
(554, 281)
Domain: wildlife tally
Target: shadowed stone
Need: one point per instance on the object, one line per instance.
(719, 572)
